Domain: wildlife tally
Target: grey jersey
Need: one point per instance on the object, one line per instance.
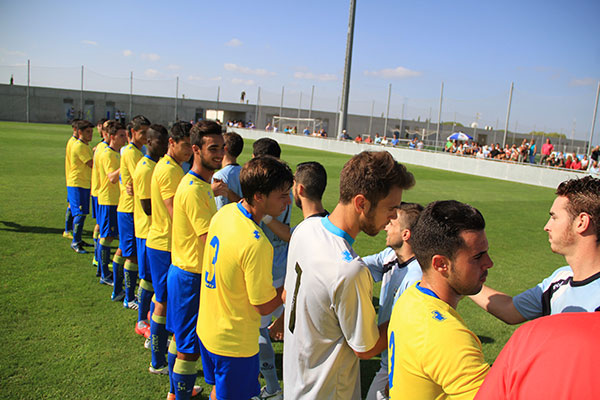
(329, 314)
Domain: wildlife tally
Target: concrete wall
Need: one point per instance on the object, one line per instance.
(513, 172)
(50, 105)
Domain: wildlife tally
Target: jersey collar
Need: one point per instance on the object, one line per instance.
(428, 292)
(202, 179)
(336, 231)
(150, 158)
(246, 213)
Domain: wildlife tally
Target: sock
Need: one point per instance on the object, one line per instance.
(171, 356)
(184, 377)
(78, 228)
(266, 357)
(152, 305)
(96, 237)
(104, 253)
(158, 336)
(130, 272)
(145, 299)
(68, 220)
(117, 267)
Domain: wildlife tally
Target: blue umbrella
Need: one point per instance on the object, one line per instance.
(460, 136)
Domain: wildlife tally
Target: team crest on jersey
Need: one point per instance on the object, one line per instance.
(438, 316)
(191, 182)
(209, 194)
(346, 256)
(256, 234)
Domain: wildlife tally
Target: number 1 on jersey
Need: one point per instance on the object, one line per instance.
(211, 283)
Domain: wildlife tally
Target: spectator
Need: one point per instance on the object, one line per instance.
(585, 163)
(594, 169)
(420, 145)
(532, 151)
(306, 131)
(561, 160)
(495, 152)
(413, 143)
(568, 162)
(368, 139)
(576, 164)
(595, 156)
(448, 146)
(377, 138)
(547, 149)
(358, 139)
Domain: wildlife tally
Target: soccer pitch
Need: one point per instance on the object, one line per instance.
(64, 338)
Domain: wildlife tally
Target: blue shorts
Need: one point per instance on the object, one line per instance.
(159, 261)
(183, 293)
(79, 200)
(94, 206)
(126, 234)
(106, 216)
(235, 377)
(142, 259)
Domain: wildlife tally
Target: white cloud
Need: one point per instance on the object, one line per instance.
(249, 71)
(217, 78)
(151, 56)
(398, 72)
(173, 67)
(238, 81)
(195, 78)
(13, 53)
(315, 77)
(584, 82)
(127, 53)
(235, 42)
(90, 42)
(151, 73)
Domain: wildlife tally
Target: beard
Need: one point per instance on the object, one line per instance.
(367, 225)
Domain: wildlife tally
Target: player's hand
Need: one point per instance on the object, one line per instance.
(219, 187)
(276, 329)
(129, 188)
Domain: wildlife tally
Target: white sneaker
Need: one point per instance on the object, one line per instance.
(148, 343)
(264, 395)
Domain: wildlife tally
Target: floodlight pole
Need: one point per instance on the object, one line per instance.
(337, 113)
(312, 94)
(176, 96)
(428, 121)
(387, 113)
(281, 108)
(218, 100)
(29, 83)
(512, 85)
(346, 87)
(299, 107)
(257, 108)
(81, 96)
(437, 133)
(593, 119)
(371, 119)
(131, 95)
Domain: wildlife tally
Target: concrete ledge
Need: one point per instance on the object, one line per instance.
(508, 171)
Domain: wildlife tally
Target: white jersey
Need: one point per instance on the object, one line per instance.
(329, 314)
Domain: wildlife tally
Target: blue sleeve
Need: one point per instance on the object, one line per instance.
(413, 276)
(220, 200)
(529, 303)
(375, 263)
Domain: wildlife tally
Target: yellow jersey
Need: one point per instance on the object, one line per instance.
(236, 274)
(95, 179)
(193, 207)
(431, 352)
(130, 156)
(165, 179)
(70, 142)
(108, 161)
(142, 177)
(80, 173)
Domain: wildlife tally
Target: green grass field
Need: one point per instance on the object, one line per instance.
(64, 338)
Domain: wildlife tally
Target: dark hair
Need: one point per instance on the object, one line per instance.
(112, 126)
(128, 129)
(138, 122)
(373, 174)
(101, 121)
(74, 123)
(584, 196)
(411, 213)
(234, 144)
(438, 229)
(156, 131)
(180, 130)
(82, 124)
(204, 128)
(264, 174)
(266, 147)
(313, 177)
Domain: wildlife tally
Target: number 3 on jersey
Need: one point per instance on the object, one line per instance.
(392, 355)
(211, 283)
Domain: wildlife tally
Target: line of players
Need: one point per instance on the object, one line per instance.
(331, 322)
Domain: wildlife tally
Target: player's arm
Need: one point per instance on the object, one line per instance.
(498, 304)
(90, 163)
(232, 196)
(282, 230)
(270, 306)
(169, 204)
(113, 177)
(379, 346)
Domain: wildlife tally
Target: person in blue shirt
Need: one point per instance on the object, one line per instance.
(230, 171)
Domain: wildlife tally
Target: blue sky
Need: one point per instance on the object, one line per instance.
(550, 49)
